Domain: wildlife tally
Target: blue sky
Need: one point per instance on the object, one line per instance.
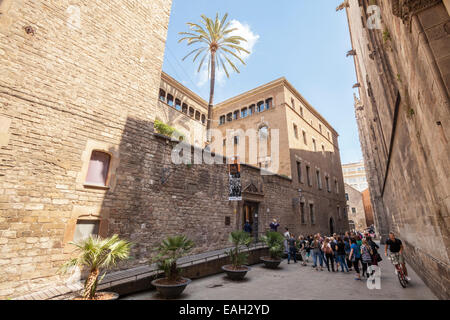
(303, 40)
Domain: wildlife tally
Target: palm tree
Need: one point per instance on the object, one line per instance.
(169, 251)
(218, 46)
(238, 239)
(275, 242)
(95, 254)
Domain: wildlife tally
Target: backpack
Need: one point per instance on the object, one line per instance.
(365, 254)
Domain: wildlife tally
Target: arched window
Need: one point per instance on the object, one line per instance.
(191, 112)
(170, 100)
(162, 95)
(222, 120)
(203, 119)
(269, 103)
(197, 115)
(98, 168)
(229, 117)
(178, 104)
(184, 108)
(236, 115)
(260, 106)
(244, 113)
(251, 109)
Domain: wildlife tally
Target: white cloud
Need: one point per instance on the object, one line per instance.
(243, 30)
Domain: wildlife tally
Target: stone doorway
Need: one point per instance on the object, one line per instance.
(331, 226)
(250, 213)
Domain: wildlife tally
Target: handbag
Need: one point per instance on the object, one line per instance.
(378, 257)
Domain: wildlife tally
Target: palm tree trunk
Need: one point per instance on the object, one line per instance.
(90, 285)
(211, 96)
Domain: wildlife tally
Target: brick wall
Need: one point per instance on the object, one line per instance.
(70, 86)
(66, 84)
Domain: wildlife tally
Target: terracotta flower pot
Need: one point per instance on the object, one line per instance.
(171, 290)
(236, 274)
(270, 263)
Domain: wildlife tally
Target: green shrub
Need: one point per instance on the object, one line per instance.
(238, 239)
(275, 242)
(169, 251)
(167, 130)
(386, 35)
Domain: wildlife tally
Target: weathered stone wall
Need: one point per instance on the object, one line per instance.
(355, 201)
(72, 73)
(403, 119)
(70, 86)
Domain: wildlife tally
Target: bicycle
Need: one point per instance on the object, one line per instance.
(394, 257)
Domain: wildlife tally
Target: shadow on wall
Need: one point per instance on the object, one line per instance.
(319, 176)
(154, 198)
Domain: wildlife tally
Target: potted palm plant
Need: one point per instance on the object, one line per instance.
(237, 269)
(274, 241)
(97, 254)
(169, 251)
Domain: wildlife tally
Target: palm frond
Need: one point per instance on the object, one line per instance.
(97, 253)
(217, 34)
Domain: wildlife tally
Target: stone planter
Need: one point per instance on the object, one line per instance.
(235, 275)
(102, 296)
(269, 263)
(171, 291)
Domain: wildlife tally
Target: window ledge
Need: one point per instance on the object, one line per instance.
(96, 186)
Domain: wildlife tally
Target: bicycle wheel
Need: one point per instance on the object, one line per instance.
(401, 278)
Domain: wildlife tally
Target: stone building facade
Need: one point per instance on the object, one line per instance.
(79, 94)
(401, 50)
(73, 75)
(355, 175)
(181, 108)
(355, 208)
(305, 149)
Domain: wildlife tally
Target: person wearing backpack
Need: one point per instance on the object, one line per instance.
(375, 256)
(355, 257)
(308, 247)
(317, 253)
(340, 251)
(302, 249)
(366, 257)
(329, 254)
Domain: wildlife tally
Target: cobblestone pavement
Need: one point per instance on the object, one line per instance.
(294, 281)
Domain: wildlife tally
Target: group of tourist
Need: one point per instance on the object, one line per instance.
(350, 251)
